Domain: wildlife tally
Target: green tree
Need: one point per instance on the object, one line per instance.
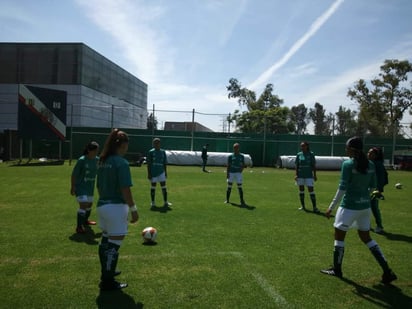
(321, 120)
(345, 122)
(383, 101)
(299, 116)
(263, 114)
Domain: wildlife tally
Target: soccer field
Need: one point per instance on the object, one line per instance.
(208, 254)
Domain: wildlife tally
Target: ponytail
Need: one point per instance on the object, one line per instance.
(113, 142)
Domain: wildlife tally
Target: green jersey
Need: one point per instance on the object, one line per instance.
(112, 176)
(305, 164)
(84, 173)
(156, 160)
(235, 163)
(356, 185)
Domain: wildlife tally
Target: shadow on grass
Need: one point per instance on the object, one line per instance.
(116, 299)
(245, 206)
(163, 209)
(397, 237)
(89, 237)
(386, 296)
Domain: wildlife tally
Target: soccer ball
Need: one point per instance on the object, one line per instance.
(149, 234)
(398, 185)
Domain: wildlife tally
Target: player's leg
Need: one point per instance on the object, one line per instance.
(229, 188)
(81, 215)
(152, 193)
(313, 197)
(363, 232)
(88, 212)
(115, 222)
(299, 182)
(239, 182)
(164, 193)
(377, 215)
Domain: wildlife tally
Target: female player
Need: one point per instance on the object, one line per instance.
(235, 166)
(115, 200)
(357, 179)
(376, 156)
(305, 163)
(82, 184)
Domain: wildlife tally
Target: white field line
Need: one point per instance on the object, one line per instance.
(278, 299)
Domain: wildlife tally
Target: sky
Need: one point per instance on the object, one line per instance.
(187, 50)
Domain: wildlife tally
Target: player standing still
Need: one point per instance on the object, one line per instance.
(235, 166)
(305, 163)
(115, 200)
(157, 172)
(82, 184)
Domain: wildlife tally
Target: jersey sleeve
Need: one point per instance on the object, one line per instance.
(78, 168)
(346, 171)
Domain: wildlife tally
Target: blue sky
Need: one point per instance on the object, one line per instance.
(187, 50)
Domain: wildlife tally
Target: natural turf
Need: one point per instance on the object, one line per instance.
(209, 254)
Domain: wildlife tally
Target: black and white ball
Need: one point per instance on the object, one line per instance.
(149, 234)
(398, 185)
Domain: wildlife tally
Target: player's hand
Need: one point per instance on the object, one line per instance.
(135, 216)
(328, 213)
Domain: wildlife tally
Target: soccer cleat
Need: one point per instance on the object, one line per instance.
(302, 208)
(332, 272)
(80, 230)
(112, 285)
(316, 210)
(226, 202)
(90, 222)
(388, 277)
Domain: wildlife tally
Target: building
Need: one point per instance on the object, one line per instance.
(185, 126)
(96, 92)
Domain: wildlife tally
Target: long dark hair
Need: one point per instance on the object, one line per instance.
(378, 153)
(90, 147)
(112, 144)
(355, 144)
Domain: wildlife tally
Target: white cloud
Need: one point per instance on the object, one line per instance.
(316, 25)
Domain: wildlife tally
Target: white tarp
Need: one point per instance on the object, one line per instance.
(322, 162)
(177, 157)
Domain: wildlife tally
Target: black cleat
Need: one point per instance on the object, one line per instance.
(111, 285)
(332, 272)
(388, 277)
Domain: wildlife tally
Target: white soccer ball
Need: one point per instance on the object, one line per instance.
(398, 185)
(149, 234)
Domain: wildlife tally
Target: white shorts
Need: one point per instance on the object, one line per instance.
(308, 182)
(238, 177)
(349, 218)
(84, 199)
(160, 178)
(112, 219)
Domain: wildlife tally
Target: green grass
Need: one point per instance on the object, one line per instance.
(209, 255)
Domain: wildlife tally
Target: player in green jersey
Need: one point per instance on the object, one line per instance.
(204, 157)
(82, 184)
(305, 163)
(114, 183)
(357, 180)
(235, 166)
(157, 172)
(376, 156)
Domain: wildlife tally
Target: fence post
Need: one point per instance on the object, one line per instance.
(193, 129)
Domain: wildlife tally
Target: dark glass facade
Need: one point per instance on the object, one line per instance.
(69, 63)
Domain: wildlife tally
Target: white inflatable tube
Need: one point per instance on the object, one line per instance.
(322, 162)
(176, 157)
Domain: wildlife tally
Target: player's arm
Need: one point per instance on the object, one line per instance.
(128, 197)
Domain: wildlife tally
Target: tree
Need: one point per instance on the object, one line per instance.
(263, 114)
(383, 102)
(299, 115)
(346, 123)
(321, 121)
